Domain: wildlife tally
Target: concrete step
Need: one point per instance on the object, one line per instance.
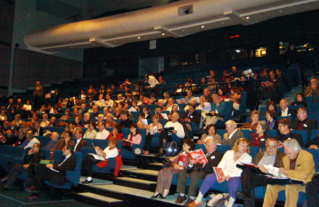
(151, 166)
(144, 174)
(135, 183)
(98, 200)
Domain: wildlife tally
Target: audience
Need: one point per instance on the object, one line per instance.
(177, 163)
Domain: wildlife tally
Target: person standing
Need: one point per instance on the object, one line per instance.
(37, 94)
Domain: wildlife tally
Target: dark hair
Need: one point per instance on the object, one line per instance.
(142, 115)
(146, 108)
(93, 124)
(118, 127)
(79, 131)
(268, 103)
(123, 112)
(209, 126)
(69, 133)
(300, 94)
(135, 126)
(285, 122)
(272, 113)
(190, 143)
(69, 147)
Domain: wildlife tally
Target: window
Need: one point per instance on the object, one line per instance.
(301, 46)
(183, 59)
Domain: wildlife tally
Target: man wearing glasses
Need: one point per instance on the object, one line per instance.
(298, 165)
(250, 179)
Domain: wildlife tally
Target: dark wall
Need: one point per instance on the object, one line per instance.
(267, 33)
(6, 28)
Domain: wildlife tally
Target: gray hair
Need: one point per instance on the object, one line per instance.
(263, 125)
(210, 139)
(231, 123)
(293, 144)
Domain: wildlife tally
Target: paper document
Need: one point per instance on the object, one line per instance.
(219, 173)
(144, 121)
(97, 157)
(181, 101)
(132, 109)
(164, 116)
(274, 171)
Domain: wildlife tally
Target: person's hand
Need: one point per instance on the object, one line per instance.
(176, 166)
(191, 162)
(25, 166)
(213, 112)
(50, 166)
(174, 131)
(263, 169)
(226, 137)
(313, 147)
(283, 170)
(188, 120)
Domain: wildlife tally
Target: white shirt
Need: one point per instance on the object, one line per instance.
(110, 153)
(169, 108)
(100, 103)
(228, 164)
(152, 81)
(27, 107)
(178, 127)
(229, 137)
(44, 123)
(285, 112)
(77, 143)
(90, 134)
(102, 134)
(109, 103)
(32, 142)
(207, 107)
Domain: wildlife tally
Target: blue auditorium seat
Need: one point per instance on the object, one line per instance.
(314, 133)
(272, 132)
(72, 177)
(246, 133)
(303, 133)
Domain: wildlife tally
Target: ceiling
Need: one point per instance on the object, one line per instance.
(158, 22)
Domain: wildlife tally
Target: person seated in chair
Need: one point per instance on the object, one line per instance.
(178, 163)
(197, 172)
(110, 152)
(80, 142)
(220, 109)
(53, 142)
(171, 127)
(31, 160)
(191, 116)
(299, 165)
(54, 173)
(250, 179)
(285, 133)
(232, 133)
(30, 140)
(303, 123)
(125, 121)
(285, 111)
(37, 130)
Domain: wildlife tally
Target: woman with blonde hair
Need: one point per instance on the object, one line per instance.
(238, 154)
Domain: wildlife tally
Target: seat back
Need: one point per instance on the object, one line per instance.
(314, 133)
(272, 132)
(303, 133)
(223, 148)
(315, 154)
(246, 132)
(253, 151)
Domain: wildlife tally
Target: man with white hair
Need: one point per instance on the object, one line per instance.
(232, 133)
(171, 127)
(298, 165)
(53, 142)
(197, 172)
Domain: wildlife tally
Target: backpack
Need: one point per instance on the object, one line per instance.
(171, 148)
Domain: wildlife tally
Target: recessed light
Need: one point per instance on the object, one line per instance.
(222, 22)
(247, 17)
(114, 41)
(280, 10)
(203, 26)
(163, 34)
(183, 30)
(139, 38)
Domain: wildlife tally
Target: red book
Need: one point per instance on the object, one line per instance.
(147, 100)
(181, 160)
(219, 173)
(198, 156)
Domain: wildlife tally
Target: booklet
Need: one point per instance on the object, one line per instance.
(147, 101)
(275, 172)
(132, 109)
(198, 156)
(98, 155)
(181, 101)
(181, 160)
(219, 173)
(164, 116)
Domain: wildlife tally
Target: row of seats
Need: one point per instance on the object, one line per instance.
(259, 191)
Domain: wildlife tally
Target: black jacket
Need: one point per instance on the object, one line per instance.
(213, 160)
(292, 112)
(282, 138)
(194, 117)
(309, 125)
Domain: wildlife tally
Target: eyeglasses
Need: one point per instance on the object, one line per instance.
(272, 146)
